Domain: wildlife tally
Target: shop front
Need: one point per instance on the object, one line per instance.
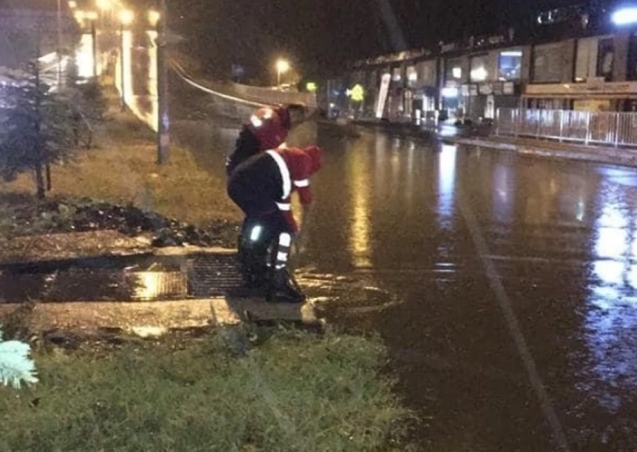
(396, 95)
(595, 95)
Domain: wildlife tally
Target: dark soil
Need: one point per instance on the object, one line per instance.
(62, 216)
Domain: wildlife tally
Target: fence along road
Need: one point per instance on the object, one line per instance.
(585, 127)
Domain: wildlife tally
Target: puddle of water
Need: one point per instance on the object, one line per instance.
(122, 279)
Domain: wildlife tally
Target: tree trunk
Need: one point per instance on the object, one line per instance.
(39, 179)
(49, 183)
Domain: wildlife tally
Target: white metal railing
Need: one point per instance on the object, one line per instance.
(588, 127)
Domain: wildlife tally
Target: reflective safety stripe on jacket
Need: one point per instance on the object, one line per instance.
(285, 174)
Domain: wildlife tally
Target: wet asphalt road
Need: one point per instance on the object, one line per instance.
(456, 234)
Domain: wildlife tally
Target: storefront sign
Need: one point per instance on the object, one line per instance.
(498, 88)
(486, 89)
(583, 88)
(508, 89)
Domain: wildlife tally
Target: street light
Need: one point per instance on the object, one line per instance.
(126, 17)
(282, 66)
(153, 17)
(625, 16)
(105, 8)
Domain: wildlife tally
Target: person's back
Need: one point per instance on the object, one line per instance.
(247, 145)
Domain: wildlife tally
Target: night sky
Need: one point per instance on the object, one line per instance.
(320, 35)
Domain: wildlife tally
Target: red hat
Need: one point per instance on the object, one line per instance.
(270, 127)
(316, 156)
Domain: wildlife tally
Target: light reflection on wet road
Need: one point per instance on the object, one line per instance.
(562, 238)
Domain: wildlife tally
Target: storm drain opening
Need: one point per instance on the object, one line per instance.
(147, 279)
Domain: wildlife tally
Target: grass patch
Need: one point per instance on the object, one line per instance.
(293, 392)
(122, 169)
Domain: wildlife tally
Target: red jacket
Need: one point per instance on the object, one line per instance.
(296, 167)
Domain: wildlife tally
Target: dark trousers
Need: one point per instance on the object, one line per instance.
(255, 187)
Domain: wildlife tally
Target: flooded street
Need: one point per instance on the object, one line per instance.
(559, 237)
(511, 310)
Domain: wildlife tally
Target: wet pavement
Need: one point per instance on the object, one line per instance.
(503, 285)
(479, 268)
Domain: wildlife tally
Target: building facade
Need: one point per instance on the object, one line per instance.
(568, 61)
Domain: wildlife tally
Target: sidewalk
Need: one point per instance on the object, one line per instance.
(555, 149)
(150, 318)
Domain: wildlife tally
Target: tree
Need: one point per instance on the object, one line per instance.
(89, 104)
(36, 124)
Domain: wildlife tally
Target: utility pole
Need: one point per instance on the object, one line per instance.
(122, 69)
(59, 21)
(163, 116)
(94, 44)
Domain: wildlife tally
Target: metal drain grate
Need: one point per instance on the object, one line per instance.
(195, 276)
(212, 275)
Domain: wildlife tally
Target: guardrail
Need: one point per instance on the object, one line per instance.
(272, 96)
(247, 94)
(587, 127)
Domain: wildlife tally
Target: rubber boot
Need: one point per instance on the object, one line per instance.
(283, 288)
(252, 263)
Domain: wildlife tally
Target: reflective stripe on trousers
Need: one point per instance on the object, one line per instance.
(283, 250)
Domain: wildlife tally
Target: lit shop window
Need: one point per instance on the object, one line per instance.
(510, 65)
(454, 69)
(479, 71)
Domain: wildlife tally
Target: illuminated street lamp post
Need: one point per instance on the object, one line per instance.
(59, 43)
(126, 17)
(282, 66)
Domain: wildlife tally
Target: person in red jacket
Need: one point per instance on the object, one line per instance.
(266, 129)
(262, 187)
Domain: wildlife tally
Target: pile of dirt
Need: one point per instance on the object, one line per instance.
(63, 216)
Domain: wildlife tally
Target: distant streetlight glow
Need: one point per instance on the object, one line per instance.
(153, 17)
(625, 16)
(90, 15)
(282, 66)
(126, 17)
(103, 4)
(72, 4)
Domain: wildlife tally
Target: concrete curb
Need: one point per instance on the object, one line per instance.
(600, 155)
(151, 318)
